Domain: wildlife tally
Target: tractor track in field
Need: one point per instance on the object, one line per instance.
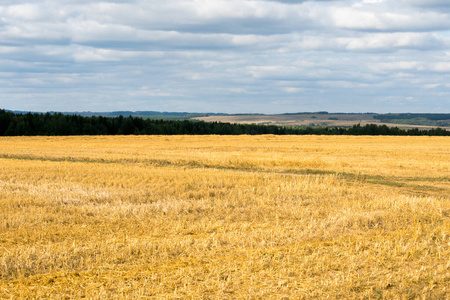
(403, 183)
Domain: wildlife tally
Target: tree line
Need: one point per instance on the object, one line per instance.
(58, 124)
(433, 117)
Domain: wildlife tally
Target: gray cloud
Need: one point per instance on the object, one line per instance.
(297, 1)
(428, 3)
(225, 55)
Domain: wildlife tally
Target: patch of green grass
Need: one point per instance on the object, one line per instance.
(387, 182)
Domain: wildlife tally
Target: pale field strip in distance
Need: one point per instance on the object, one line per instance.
(320, 120)
(225, 217)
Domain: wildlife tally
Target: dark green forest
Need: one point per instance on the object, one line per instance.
(58, 124)
(416, 119)
(434, 117)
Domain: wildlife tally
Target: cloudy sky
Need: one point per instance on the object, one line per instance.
(233, 56)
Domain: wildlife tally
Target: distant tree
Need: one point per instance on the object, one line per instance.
(60, 124)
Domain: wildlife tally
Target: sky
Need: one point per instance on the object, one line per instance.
(230, 56)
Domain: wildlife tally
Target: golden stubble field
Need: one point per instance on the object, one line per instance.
(225, 217)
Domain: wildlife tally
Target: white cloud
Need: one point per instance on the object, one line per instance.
(385, 18)
(393, 41)
(245, 54)
(27, 12)
(428, 3)
(397, 66)
(441, 67)
(149, 91)
(293, 90)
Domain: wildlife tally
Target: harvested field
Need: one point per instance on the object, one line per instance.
(321, 120)
(225, 217)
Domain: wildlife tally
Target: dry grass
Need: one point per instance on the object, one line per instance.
(218, 217)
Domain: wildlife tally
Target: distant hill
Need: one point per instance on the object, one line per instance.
(325, 119)
(310, 119)
(442, 120)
